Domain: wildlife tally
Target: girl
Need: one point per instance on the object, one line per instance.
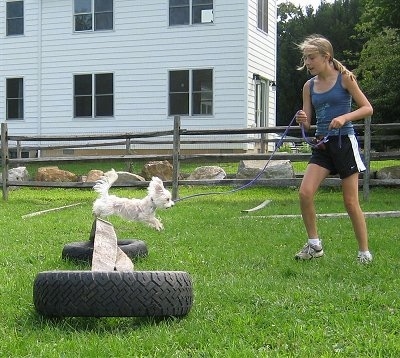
(330, 92)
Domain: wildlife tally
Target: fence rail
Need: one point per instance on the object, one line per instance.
(175, 142)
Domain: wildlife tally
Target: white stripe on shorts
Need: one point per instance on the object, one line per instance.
(360, 165)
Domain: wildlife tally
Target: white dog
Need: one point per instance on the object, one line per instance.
(131, 209)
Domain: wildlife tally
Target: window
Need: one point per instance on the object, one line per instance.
(94, 94)
(93, 15)
(15, 18)
(185, 12)
(15, 98)
(191, 92)
(262, 15)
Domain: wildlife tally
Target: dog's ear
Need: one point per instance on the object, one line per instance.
(156, 184)
(157, 180)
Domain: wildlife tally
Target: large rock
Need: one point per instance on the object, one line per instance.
(208, 172)
(392, 172)
(17, 174)
(161, 169)
(54, 174)
(249, 169)
(94, 175)
(127, 178)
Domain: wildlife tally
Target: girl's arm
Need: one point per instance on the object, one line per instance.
(304, 116)
(364, 107)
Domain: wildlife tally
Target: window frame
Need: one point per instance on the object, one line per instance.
(19, 99)
(192, 10)
(15, 18)
(93, 96)
(262, 15)
(92, 16)
(205, 103)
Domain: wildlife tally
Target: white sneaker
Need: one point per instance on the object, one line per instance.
(364, 257)
(309, 252)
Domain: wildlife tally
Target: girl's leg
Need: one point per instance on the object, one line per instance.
(352, 205)
(312, 179)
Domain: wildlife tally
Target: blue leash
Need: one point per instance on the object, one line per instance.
(279, 143)
(320, 142)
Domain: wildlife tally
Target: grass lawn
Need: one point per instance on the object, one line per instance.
(252, 299)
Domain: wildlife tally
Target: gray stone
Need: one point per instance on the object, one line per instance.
(392, 172)
(275, 169)
(161, 169)
(208, 172)
(126, 178)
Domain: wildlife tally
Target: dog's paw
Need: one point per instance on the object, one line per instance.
(160, 227)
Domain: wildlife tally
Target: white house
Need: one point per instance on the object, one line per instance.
(112, 66)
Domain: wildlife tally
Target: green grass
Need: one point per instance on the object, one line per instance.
(252, 299)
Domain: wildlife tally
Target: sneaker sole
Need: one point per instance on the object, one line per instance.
(315, 256)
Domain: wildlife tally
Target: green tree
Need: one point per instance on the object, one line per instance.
(379, 66)
(379, 71)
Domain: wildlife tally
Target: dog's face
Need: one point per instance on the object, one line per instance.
(161, 196)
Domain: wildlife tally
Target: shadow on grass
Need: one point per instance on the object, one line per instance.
(37, 322)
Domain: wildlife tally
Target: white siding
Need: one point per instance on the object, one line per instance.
(262, 57)
(140, 51)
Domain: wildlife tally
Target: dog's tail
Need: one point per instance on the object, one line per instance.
(105, 182)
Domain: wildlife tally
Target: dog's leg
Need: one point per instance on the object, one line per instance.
(155, 223)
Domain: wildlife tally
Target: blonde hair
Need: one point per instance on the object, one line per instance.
(320, 44)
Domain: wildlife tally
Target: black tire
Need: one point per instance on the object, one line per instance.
(113, 293)
(83, 251)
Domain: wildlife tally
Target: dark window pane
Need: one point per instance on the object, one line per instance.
(179, 16)
(103, 5)
(81, 6)
(179, 81)
(178, 3)
(202, 92)
(15, 18)
(202, 11)
(104, 106)
(83, 106)
(202, 80)
(202, 103)
(103, 21)
(15, 109)
(83, 22)
(104, 84)
(83, 85)
(179, 104)
(15, 98)
(14, 88)
(15, 9)
(15, 27)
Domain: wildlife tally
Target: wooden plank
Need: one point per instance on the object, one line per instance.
(49, 210)
(258, 207)
(367, 214)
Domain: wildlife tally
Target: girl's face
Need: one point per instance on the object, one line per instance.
(314, 61)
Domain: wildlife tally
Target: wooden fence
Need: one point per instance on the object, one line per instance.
(16, 145)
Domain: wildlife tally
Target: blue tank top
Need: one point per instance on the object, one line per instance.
(331, 104)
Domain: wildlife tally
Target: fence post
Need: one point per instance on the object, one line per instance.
(175, 156)
(4, 157)
(367, 157)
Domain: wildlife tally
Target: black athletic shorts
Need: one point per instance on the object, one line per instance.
(340, 155)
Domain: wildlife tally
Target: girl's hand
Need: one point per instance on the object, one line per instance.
(301, 117)
(337, 123)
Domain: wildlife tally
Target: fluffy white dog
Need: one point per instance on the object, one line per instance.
(131, 209)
